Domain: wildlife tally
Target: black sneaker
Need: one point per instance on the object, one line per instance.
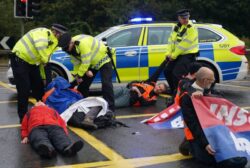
(73, 148)
(46, 152)
(184, 147)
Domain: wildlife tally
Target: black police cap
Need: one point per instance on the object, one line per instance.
(183, 13)
(59, 28)
(64, 40)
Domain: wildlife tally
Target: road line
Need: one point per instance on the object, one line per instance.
(99, 146)
(7, 86)
(136, 162)
(10, 126)
(8, 101)
(135, 116)
(147, 161)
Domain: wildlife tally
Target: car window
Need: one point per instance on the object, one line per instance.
(206, 35)
(158, 35)
(128, 37)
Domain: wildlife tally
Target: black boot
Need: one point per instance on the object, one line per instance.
(184, 147)
(73, 148)
(46, 152)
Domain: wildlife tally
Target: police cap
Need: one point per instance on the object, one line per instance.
(64, 41)
(59, 28)
(184, 13)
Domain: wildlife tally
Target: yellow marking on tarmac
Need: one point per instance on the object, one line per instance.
(10, 126)
(165, 95)
(246, 107)
(135, 116)
(99, 146)
(8, 101)
(7, 86)
(147, 161)
(135, 162)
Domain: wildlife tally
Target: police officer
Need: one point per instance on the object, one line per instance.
(31, 51)
(182, 49)
(89, 56)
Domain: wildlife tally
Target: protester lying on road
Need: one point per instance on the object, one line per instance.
(140, 93)
(46, 131)
(198, 144)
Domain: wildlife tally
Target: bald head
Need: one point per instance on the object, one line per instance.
(205, 77)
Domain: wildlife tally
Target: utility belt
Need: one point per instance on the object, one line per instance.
(15, 58)
(97, 66)
(190, 55)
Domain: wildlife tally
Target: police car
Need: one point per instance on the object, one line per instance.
(139, 50)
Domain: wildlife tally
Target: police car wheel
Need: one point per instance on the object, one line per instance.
(57, 71)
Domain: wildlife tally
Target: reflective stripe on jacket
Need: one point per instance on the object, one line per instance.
(36, 46)
(183, 40)
(92, 54)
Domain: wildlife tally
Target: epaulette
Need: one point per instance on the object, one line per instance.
(189, 26)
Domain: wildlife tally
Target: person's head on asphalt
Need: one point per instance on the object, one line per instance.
(160, 88)
(58, 30)
(183, 16)
(205, 77)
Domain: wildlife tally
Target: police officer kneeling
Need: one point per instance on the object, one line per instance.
(30, 52)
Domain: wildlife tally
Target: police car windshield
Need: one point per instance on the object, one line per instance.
(106, 33)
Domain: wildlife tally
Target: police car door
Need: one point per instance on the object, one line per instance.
(127, 43)
(155, 40)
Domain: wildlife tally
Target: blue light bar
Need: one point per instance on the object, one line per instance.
(136, 20)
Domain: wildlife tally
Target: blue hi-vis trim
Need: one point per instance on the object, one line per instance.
(221, 141)
(207, 51)
(230, 70)
(123, 61)
(144, 57)
(152, 70)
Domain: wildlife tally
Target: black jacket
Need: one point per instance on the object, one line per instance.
(191, 119)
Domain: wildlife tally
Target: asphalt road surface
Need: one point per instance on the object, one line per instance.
(136, 146)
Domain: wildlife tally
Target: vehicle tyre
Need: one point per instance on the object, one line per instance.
(57, 71)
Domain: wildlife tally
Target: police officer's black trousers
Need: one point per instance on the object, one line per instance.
(27, 78)
(52, 136)
(107, 85)
(176, 69)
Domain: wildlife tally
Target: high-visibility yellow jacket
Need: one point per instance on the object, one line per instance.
(92, 54)
(183, 40)
(36, 46)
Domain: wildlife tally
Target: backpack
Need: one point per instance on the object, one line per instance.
(103, 118)
(107, 120)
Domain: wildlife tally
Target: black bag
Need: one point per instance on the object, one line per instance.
(102, 121)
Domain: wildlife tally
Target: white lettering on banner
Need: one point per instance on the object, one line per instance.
(241, 144)
(222, 112)
(177, 123)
